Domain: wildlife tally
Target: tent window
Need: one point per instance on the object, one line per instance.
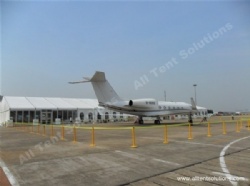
(59, 114)
(106, 115)
(19, 116)
(54, 115)
(70, 114)
(74, 114)
(32, 115)
(65, 115)
(37, 115)
(81, 116)
(90, 116)
(13, 116)
(99, 116)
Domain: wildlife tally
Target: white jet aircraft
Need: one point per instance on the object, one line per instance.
(147, 107)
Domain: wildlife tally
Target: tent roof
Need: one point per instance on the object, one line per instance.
(18, 103)
(50, 103)
(83, 103)
(41, 103)
(60, 103)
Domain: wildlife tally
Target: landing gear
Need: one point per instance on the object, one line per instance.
(158, 120)
(190, 119)
(139, 120)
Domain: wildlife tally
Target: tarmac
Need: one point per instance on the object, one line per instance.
(31, 156)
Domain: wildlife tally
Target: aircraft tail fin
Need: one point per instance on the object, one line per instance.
(103, 90)
(193, 104)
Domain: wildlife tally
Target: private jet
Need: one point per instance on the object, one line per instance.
(146, 107)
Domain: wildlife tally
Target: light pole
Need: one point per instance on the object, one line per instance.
(195, 93)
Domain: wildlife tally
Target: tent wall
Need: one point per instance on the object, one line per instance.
(4, 111)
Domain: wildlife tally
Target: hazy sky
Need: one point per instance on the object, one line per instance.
(144, 47)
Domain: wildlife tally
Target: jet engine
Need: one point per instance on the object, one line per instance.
(143, 103)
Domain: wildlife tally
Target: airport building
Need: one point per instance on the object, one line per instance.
(55, 110)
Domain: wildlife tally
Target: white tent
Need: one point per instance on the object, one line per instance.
(26, 109)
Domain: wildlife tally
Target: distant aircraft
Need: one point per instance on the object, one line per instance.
(147, 107)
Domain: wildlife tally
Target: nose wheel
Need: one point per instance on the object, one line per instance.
(141, 121)
(157, 121)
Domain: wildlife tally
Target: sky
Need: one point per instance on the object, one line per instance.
(144, 47)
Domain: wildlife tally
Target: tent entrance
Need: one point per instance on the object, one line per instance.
(46, 116)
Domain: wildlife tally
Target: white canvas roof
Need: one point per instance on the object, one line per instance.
(60, 103)
(41, 103)
(18, 103)
(82, 103)
(31, 103)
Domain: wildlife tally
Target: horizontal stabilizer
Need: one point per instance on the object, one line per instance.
(74, 82)
(87, 78)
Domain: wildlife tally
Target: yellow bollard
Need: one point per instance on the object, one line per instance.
(208, 130)
(52, 130)
(74, 134)
(133, 138)
(237, 126)
(190, 131)
(224, 128)
(62, 135)
(44, 133)
(93, 138)
(165, 134)
(248, 125)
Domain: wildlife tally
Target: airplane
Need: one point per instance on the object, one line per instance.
(146, 107)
